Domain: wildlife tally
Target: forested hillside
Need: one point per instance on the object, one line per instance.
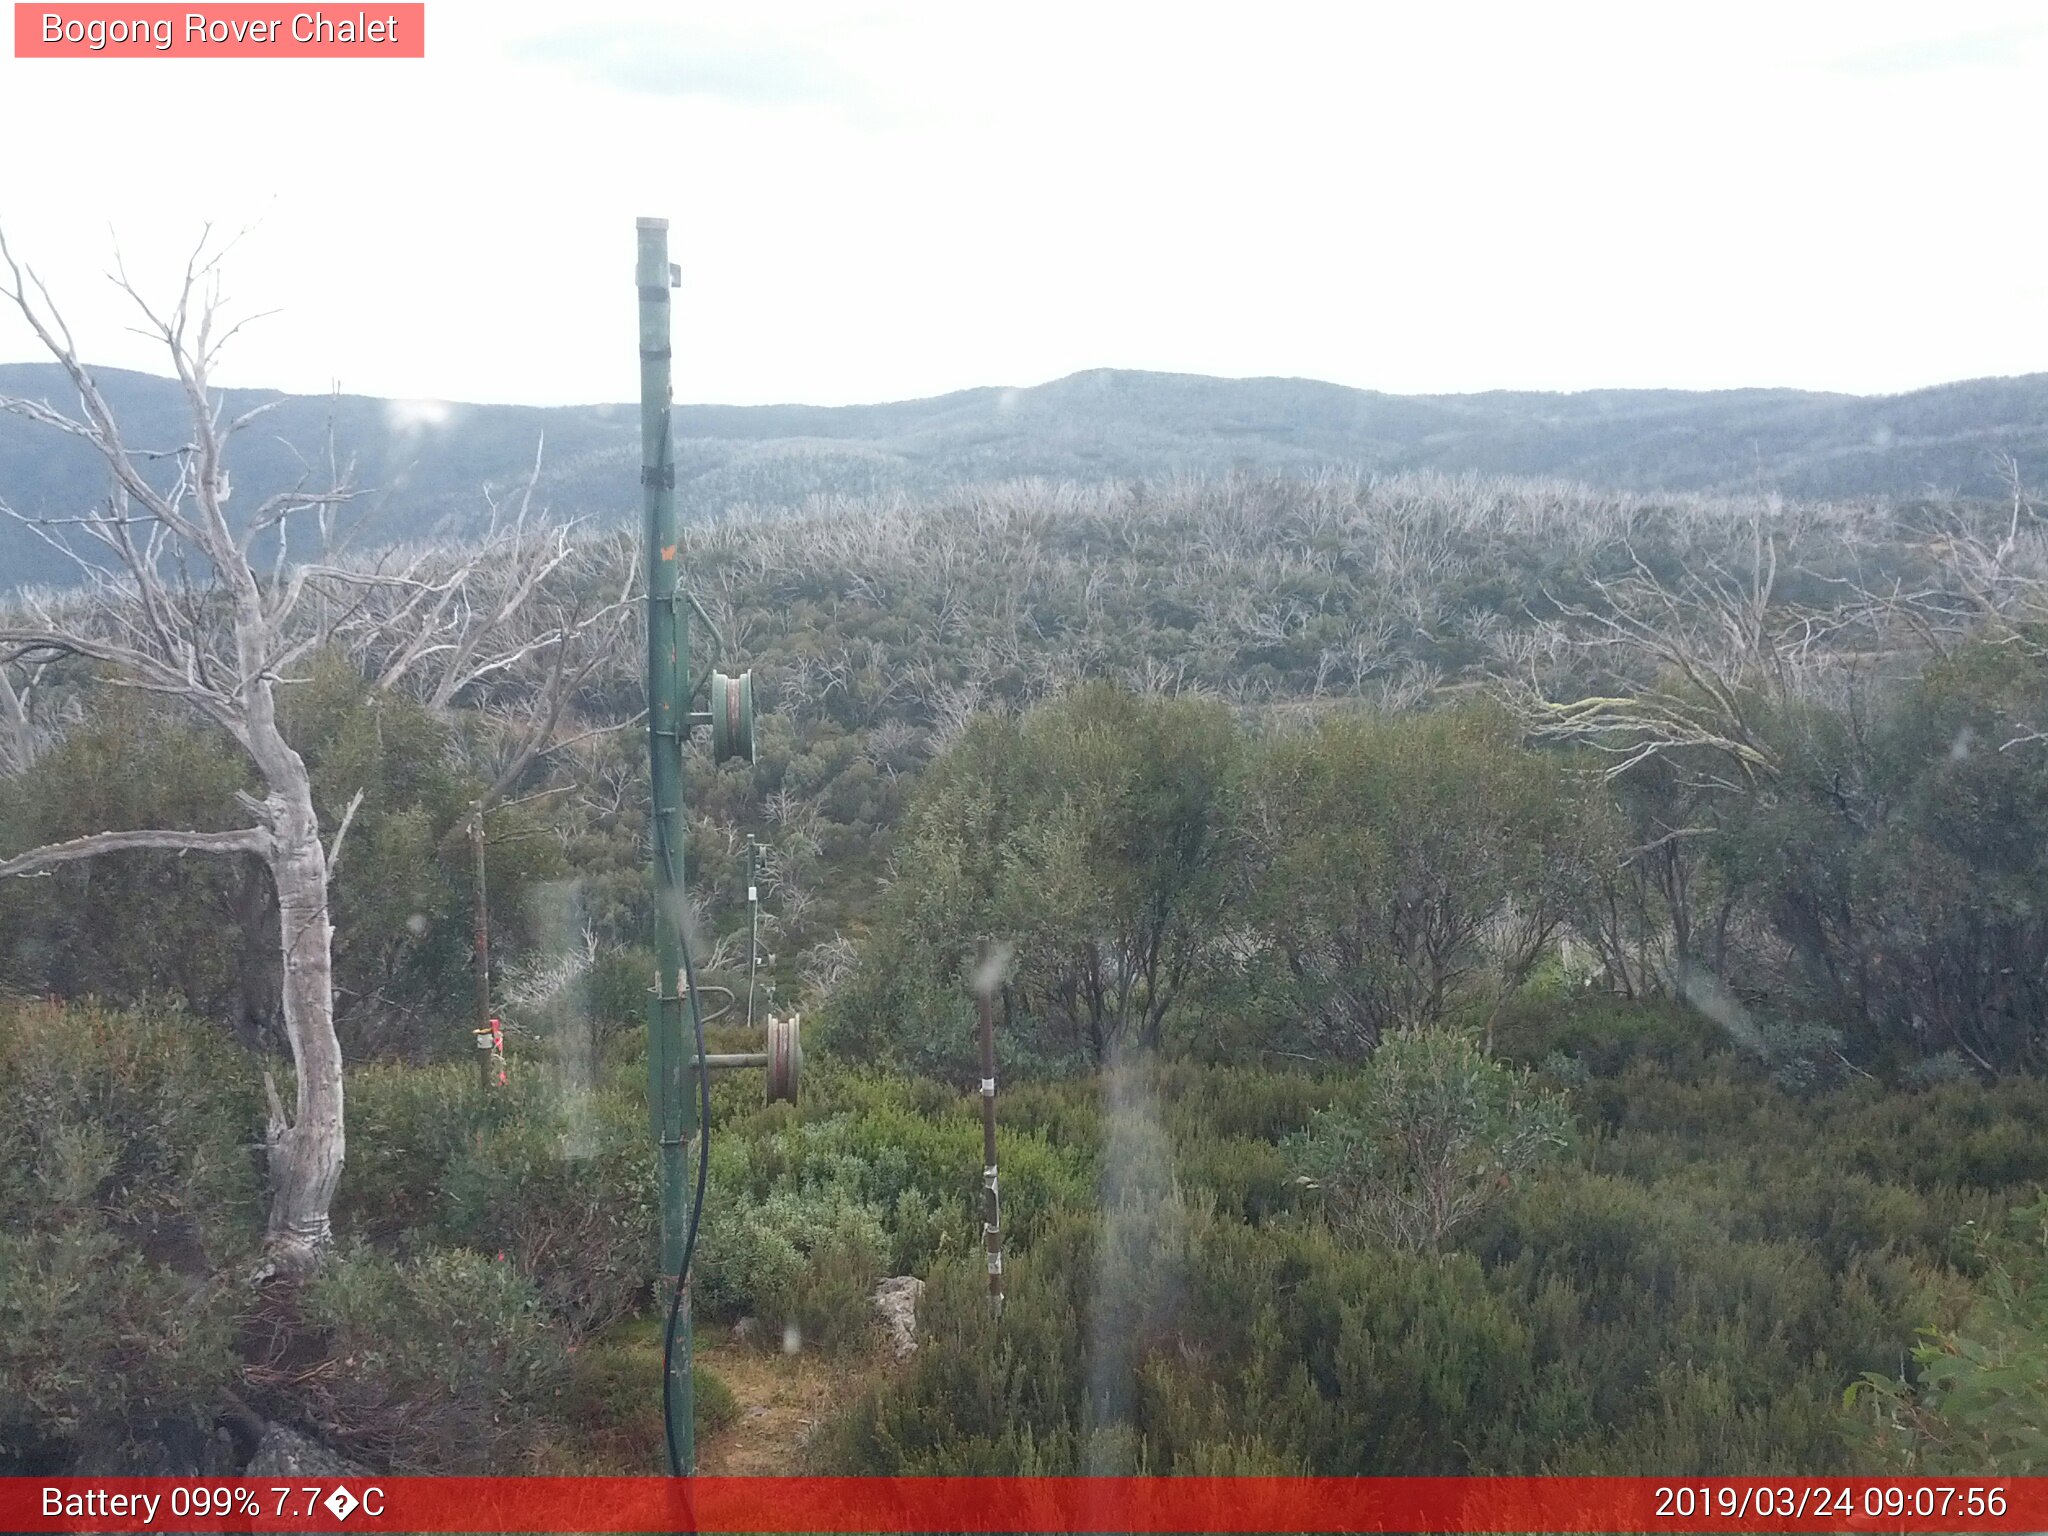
(1502, 978)
(422, 463)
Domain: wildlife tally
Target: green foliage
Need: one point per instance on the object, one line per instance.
(1606, 1035)
(131, 924)
(204, 928)
(127, 1196)
(1978, 1401)
(611, 1423)
(142, 1123)
(1406, 868)
(1153, 1339)
(1440, 1136)
(806, 1259)
(1393, 871)
(558, 1179)
(1901, 863)
(1091, 831)
(111, 1362)
(715, 1405)
(444, 1363)
(1689, 1287)
(404, 892)
(811, 1214)
(1745, 1223)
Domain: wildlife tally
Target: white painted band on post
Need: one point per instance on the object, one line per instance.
(988, 1087)
(752, 894)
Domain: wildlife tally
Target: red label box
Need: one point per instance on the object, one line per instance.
(224, 31)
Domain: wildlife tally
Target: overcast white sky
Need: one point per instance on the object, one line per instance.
(878, 201)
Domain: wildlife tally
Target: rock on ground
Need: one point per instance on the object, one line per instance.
(896, 1299)
(284, 1452)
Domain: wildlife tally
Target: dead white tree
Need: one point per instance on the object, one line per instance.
(1714, 644)
(175, 599)
(1980, 572)
(29, 724)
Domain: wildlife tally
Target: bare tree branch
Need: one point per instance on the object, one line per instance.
(334, 848)
(248, 840)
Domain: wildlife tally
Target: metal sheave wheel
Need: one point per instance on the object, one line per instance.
(732, 716)
(785, 1059)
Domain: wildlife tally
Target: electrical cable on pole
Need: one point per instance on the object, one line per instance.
(671, 1102)
(679, 1081)
(679, 1463)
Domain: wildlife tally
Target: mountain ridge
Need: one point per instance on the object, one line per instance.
(427, 462)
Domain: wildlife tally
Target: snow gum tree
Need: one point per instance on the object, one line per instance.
(181, 599)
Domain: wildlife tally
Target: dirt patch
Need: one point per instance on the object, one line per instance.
(782, 1401)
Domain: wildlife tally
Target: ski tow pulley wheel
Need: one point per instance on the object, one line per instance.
(732, 717)
(785, 1058)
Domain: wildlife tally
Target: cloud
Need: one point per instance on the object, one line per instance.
(655, 61)
(2004, 49)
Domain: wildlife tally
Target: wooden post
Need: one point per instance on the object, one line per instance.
(992, 1208)
(485, 1030)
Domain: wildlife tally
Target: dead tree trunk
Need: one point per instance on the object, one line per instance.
(172, 603)
(306, 1153)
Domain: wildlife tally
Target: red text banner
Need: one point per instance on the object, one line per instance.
(1032, 1504)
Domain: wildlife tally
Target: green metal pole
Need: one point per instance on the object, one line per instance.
(671, 1061)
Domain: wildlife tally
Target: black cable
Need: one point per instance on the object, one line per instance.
(675, 885)
(731, 1002)
(675, 1305)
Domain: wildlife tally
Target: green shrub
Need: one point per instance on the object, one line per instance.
(1440, 1136)
(1152, 1335)
(129, 1205)
(1979, 1404)
(1607, 1034)
(612, 1408)
(147, 1119)
(1955, 1134)
(568, 1194)
(1258, 1104)
(406, 1125)
(1672, 1332)
(807, 1259)
(560, 1181)
(134, 928)
(444, 1363)
(1694, 1302)
(111, 1363)
(715, 1405)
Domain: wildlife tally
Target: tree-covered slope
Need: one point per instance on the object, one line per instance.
(424, 465)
